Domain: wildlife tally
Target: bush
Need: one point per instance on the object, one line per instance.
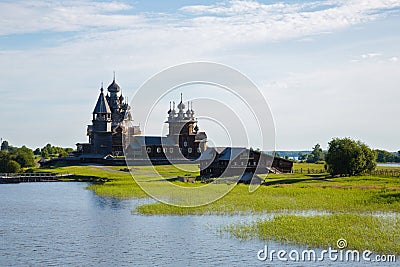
(348, 157)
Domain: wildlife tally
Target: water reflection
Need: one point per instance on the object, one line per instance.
(109, 202)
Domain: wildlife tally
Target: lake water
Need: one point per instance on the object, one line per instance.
(54, 224)
(389, 164)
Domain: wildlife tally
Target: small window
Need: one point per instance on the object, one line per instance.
(171, 150)
(185, 144)
(189, 150)
(234, 163)
(198, 149)
(242, 163)
(255, 163)
(158, 149)
(165, 150)
(148, 149)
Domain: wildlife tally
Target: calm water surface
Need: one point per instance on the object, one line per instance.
(54, 224)
(389, 164)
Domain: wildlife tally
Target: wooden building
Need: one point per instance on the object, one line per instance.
(231, 161)
(112, 120)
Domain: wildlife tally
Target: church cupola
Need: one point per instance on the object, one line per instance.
(192, 112)
(181, 108)
(173, 112)
(101, 129)
(114, 87)
(115, 98)
(188, 111)
(102, 110)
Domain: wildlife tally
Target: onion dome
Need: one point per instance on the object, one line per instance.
(173, 108)
(114, 87)
(170, 110)
(191, 110)
(188, 111)
(181, 106)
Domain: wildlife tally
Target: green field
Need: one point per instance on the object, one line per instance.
(355, 201)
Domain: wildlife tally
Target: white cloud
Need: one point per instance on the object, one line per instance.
(251, 21)
(370, 55)
(34, 16)
(137, 45)
(224, 22)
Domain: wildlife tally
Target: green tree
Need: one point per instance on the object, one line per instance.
(4, 145)
(37, 151)
(69, 150)
(24, 156)
(12, 167)
(7, 164)
(348, 157)
(4, 159)
(316, 154)
(46, 151)
(24, 159)
(301, 156)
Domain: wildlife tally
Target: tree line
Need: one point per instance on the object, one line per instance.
(13, 159)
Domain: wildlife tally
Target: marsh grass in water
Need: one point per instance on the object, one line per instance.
(380, 234)
(349, 199)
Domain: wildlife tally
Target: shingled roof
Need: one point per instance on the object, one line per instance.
(102, 106)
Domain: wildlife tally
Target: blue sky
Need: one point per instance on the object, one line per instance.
(327, 68)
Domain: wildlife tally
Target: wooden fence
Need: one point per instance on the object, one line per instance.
(7, 178)
(381, 172)
(309, 171)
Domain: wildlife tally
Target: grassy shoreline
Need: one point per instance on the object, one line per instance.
(355, 200)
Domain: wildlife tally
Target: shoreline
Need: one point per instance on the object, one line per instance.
(367, 196)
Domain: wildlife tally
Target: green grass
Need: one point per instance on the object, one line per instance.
(306, 166)
(290, 197)
(378, 234)
(352, 201)
(108, 180)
